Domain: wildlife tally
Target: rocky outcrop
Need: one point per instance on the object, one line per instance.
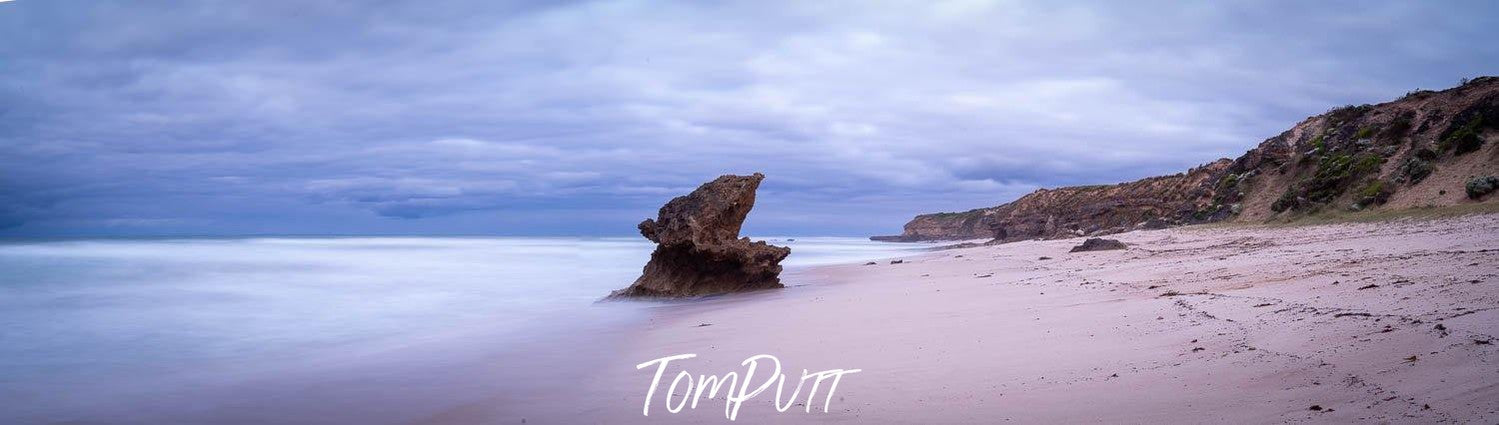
(1417, 151)
(699, 251)
(1099, 244)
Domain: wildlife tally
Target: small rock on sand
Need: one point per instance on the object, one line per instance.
(1099, 244)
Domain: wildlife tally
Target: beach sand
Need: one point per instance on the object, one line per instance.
(1370, 322)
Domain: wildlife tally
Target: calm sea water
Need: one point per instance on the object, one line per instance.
(266, 329)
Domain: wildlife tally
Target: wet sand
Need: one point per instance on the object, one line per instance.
(1372, 322)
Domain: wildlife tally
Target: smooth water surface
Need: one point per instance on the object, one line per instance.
(265, 329)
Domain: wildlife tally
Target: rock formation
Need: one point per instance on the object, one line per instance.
(699, 251)
(1417, 151)
(1099, 244)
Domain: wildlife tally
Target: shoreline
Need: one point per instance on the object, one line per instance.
(1189, 324)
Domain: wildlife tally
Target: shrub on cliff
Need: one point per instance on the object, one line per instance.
(1289, 200)
(1334, 174)
(1397, 129)
(1332, 178)
(1319, 147)
(1480, 186)
(1415, 169)
(1347, 112)
(1464, 134)
(1374, 193)
(1229, 182)
(1426, 154)
(1227, 189)
(1366, 163)
(1465, 139)
(1418, 93)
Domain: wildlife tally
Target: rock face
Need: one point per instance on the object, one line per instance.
(1417, 151)
(942, 226)
(1099, 244)
(1081, 210)
(1413, 152)
(699, 251)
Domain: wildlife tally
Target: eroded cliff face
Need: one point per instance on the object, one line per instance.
(943, 226)
(1083, 210)
(1413, 152)
(1095, 210)
(699, 251)
(1417, 151)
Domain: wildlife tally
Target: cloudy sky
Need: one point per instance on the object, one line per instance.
(581, 118)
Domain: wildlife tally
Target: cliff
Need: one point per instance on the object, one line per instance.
(1082, 210)
(1420, 150)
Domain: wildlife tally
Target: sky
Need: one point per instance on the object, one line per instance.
(478, 117)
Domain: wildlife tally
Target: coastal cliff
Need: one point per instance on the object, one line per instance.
(1428, 148)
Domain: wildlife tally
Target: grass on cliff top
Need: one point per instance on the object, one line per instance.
(1373, 215)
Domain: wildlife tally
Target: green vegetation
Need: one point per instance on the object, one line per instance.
(1364, 133)
(1319, 146)
(1426, 154)
(1464, 134)
(1396, 129)
(1373, 188)
(1416, 169)
(1335, 166)
(1229, 182)
(1418, 92)
(1227, 190)
(1331, 178)
(1366, 163)
(1347, 112)
(1465, 139)
(1207, 212)
(1480, 186)
(1374, 193)
(1334, 175)
(1289, 200)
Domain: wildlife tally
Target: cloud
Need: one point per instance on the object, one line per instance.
(473, 117)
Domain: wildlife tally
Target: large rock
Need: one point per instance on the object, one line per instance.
(699, 251)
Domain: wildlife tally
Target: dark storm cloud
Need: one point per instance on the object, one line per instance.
(582, 117)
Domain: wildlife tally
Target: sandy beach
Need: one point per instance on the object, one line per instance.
(1364, 322)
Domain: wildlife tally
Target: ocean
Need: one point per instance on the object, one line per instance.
(270, 329)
